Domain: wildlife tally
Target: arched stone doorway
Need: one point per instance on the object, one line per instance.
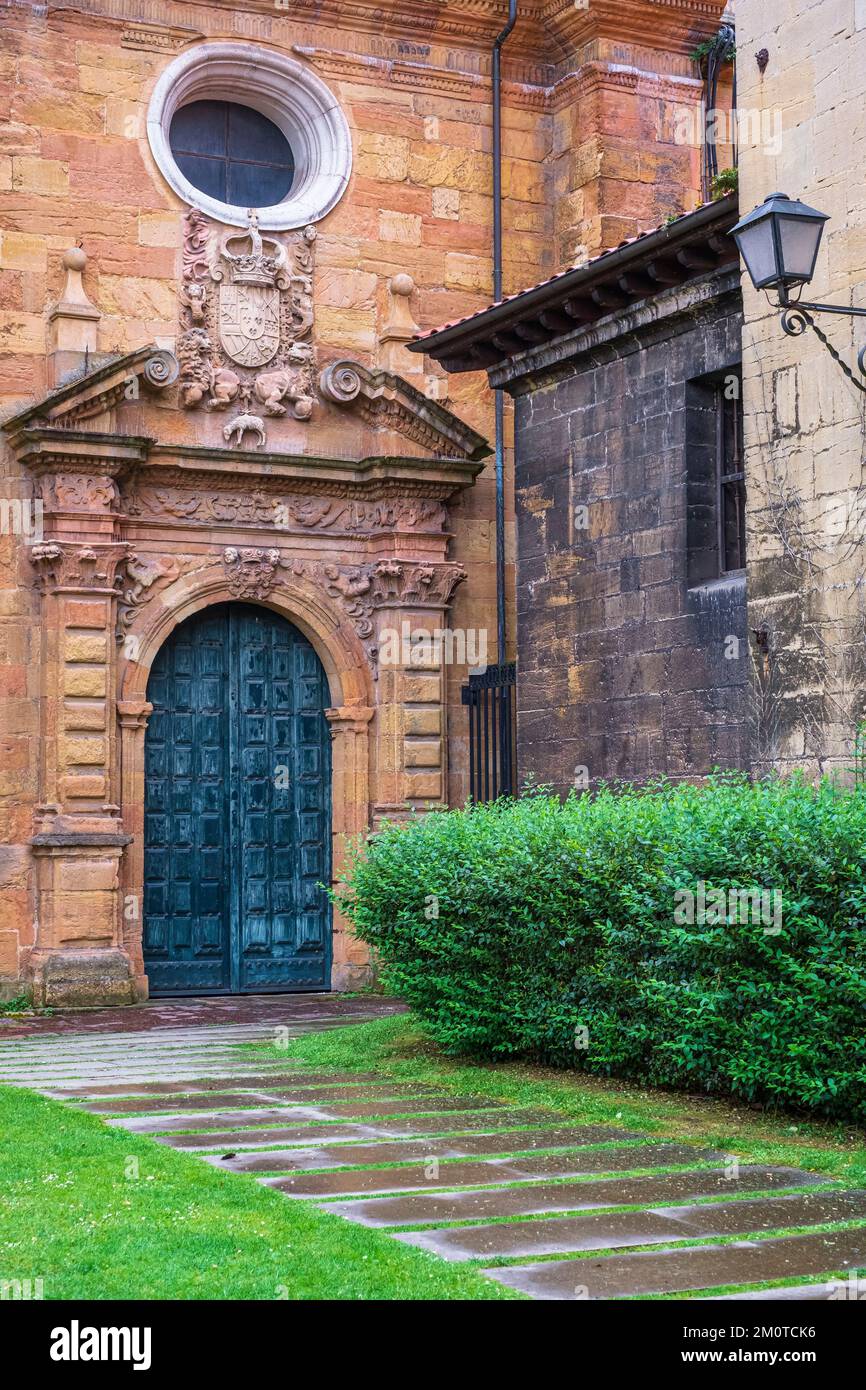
(237, 808)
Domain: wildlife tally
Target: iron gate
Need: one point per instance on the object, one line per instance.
(492, 752)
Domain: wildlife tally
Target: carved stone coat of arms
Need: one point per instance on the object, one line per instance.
(246, 305)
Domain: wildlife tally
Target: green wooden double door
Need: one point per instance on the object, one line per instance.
(237, 808)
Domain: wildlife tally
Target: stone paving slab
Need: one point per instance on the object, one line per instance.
(208, 1084)
(405, 1150)
(342, 1182)
(239, 1119)
(136, 1059)
(159, 1014)
(350, 1110)
(123, 1076)
(689, 1268)
(488, 1120)
(577, 1195)
(241, 1099)
(794, 1293)
(606, 1231)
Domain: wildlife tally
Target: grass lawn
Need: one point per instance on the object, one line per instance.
(397, 1047)
(98, 1213)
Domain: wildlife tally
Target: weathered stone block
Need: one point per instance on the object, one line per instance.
(423, 786)
(82, 682)
(80, 875)
(426, 753)
(421, 688)
(71, 979)
(159, 229)
(84, 751)
(422, 721)
(21, 251)
(46, 177)
(81, 716)
(86, 613)
(9, 954)
(383, 157)
(82, 787)
(85, 648)
(446, 203)
(402, 227)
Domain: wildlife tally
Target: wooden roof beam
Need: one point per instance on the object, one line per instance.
(637, 285)
(532, 331)
(581, 309)
(556, 321)
(666, 272)
(697, 258)
(609, 297)
(508, 342)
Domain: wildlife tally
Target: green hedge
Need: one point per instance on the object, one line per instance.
(513, 927)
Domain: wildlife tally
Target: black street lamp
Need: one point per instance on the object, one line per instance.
(779, 243)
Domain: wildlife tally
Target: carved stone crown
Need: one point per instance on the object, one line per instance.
(253, 266)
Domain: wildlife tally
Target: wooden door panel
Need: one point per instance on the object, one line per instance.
(237, 808)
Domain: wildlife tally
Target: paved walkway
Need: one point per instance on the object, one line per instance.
(558, 1210)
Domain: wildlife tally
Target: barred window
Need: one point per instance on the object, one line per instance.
(232, 153)
(730, 476)
(716, 484)
(234, 126)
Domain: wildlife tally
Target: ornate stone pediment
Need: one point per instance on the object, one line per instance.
(246, 344)
(389, 402)
(104, 387)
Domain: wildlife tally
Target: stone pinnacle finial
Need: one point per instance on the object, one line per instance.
(399, 328)
(74, 294)
(72, 323)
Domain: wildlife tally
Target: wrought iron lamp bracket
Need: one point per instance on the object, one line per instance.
(797, 316)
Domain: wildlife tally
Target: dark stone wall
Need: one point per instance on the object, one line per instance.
(626, 667)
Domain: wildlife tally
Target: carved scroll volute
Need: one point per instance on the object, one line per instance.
(340, 383)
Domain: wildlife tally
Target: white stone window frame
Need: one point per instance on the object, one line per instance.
(289, 94)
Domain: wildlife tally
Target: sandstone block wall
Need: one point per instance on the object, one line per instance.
(627, 668)
(804, 419)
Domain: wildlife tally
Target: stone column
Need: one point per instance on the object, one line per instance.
(350, 782)
(79, 957)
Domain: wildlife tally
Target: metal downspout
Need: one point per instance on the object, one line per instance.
(499, 405)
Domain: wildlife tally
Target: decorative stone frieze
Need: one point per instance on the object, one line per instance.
(286, 512)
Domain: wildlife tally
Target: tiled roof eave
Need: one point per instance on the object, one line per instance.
(633, 271)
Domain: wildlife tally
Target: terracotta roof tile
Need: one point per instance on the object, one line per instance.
(551, 280)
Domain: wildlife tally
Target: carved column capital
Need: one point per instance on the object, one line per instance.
(349, 718)
(71, 567)
(89, 491)
(397, 584)
(134, 714)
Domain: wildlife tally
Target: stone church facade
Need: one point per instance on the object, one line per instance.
(226, 482)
